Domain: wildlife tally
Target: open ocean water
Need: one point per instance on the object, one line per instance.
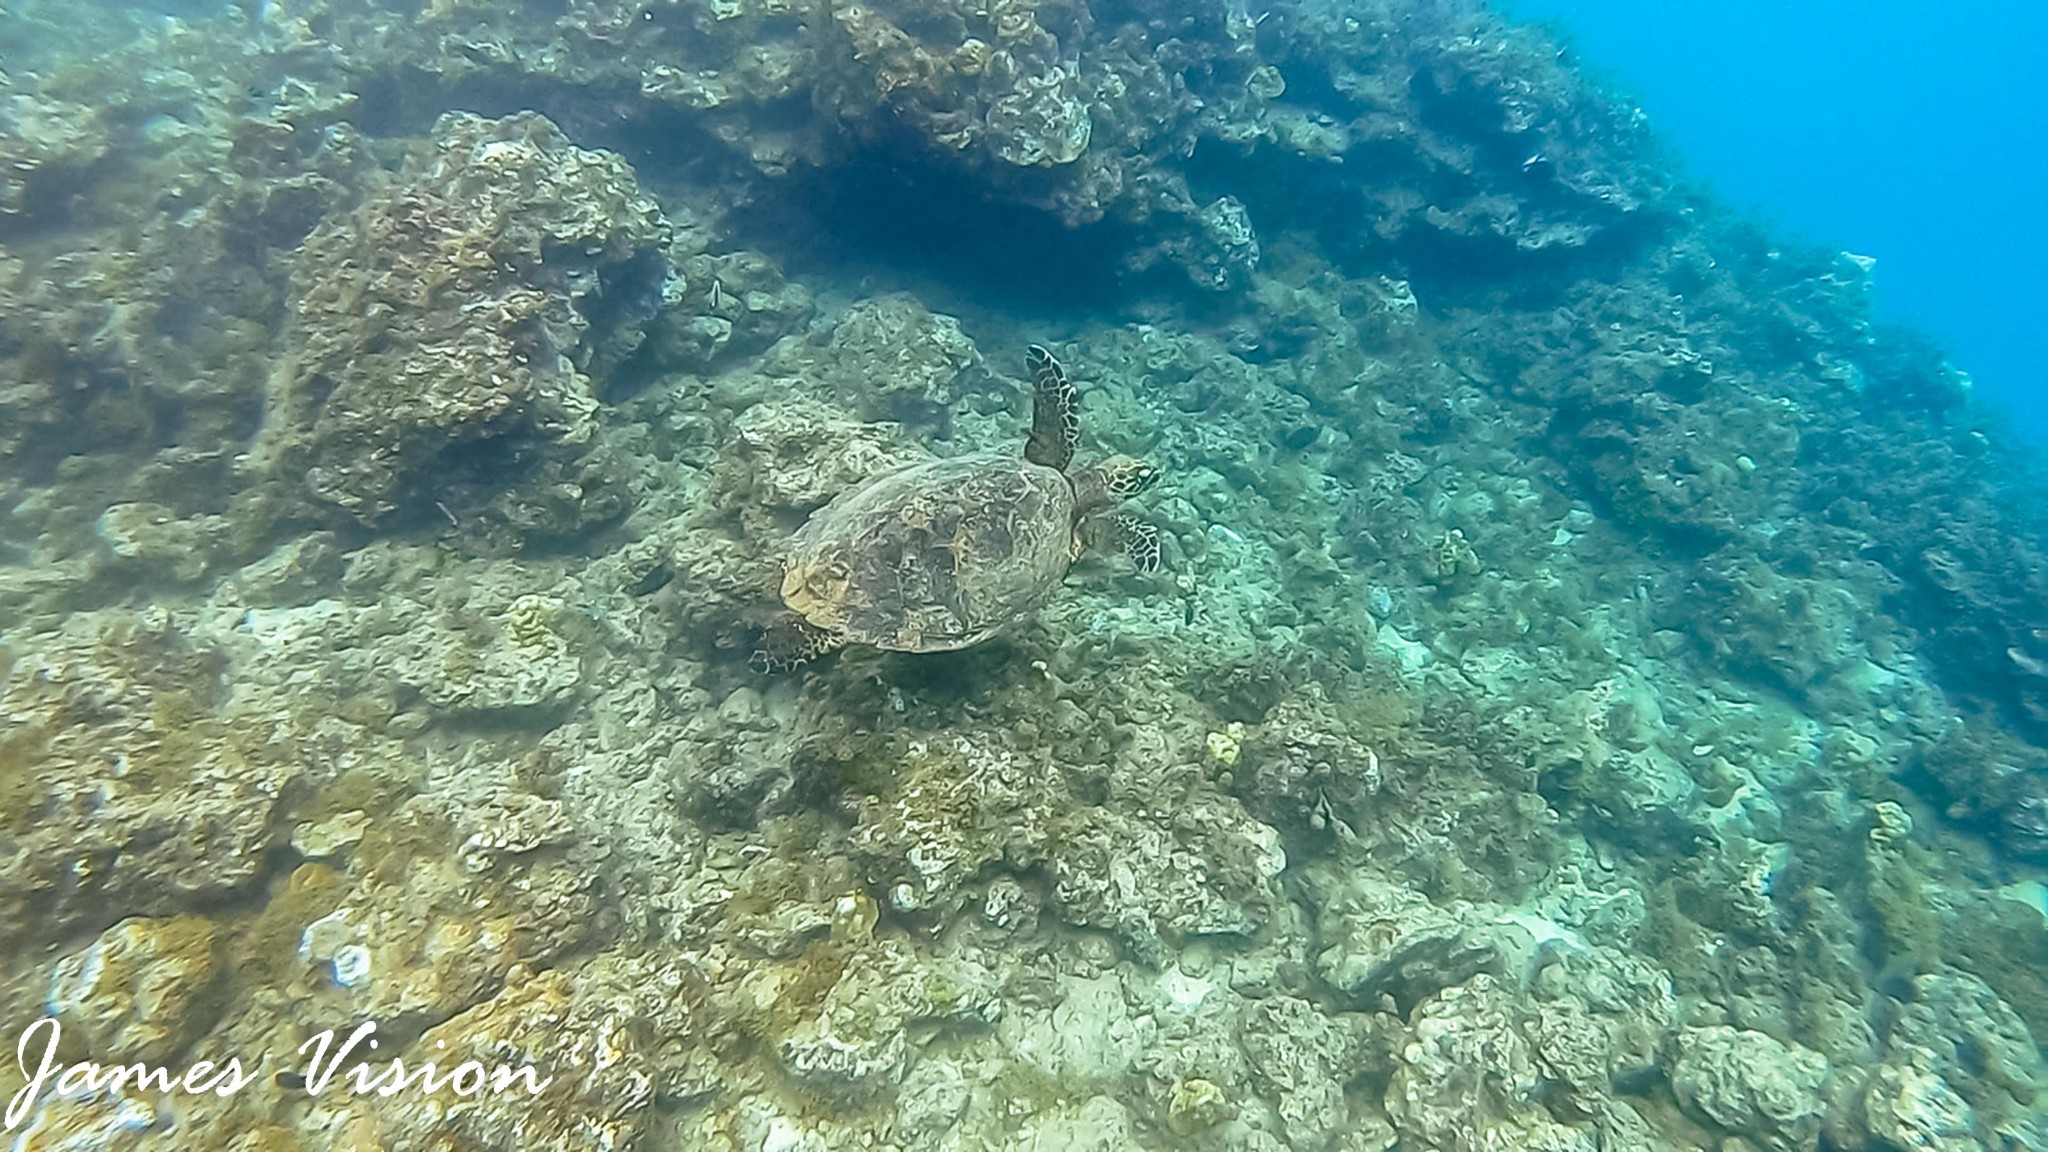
(1887, 129)
(1023, 575)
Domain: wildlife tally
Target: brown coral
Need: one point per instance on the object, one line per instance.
(455, 327)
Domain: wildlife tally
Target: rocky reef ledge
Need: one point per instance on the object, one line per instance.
(1596, 696)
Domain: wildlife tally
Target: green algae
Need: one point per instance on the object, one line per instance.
(22, 755)
(264, 952)
(1904, 907)
(368, 790)
(2002, 943)
(807, 982)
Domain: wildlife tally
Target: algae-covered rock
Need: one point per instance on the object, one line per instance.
(785, 457)
(1988, 775)
(1495, 768)
(724, 306)
(148, 206)
(931, 1101)
(1300, 1059)
(856, 1046)
(897, 361)
(1751, 1085)
(143, 991)
(1909, 1107)
(1098, 1124)
(1813, 638)
(137, 780)
(1601, 1021)
(1214, 874)
(295, 572)
(47, 143)
(456, 328)
(1465, 1077)
(1303, 768)
(1392, 942)
(951, 811)
(152, 541)
(516, 660)
(439, 907)
(1957, 1027)
(1091, 1038)
(601, 1043)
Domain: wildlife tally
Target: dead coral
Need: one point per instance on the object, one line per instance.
(452, 329)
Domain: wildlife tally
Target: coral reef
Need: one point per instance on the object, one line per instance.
(449, 333)
(139, 780)
(1594, 699)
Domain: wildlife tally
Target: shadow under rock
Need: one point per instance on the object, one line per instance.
(897, 221)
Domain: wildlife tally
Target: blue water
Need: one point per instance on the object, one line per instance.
(1882, 128)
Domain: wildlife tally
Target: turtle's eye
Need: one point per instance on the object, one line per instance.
(1138, 477)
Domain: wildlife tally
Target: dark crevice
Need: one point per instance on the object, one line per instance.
(407, 101)
(669, 146)
(1284, 190)
(891, 219)
(889, 215)
(48, 194)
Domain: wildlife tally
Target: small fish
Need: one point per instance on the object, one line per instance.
(1301, 437)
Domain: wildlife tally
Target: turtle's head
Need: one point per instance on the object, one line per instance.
(1114, 480)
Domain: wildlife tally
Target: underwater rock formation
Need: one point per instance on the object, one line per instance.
(1592, 700)
(1086, 113)
(452, 331)
(137, 779)
(1750, 1084)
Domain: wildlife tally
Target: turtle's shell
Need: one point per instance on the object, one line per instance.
(934, 556)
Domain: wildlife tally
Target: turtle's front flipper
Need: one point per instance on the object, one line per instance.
(1141, 543)
(792, 643)
(1120, 533)
(1055, 411)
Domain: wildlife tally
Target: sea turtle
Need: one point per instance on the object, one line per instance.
(947, 553)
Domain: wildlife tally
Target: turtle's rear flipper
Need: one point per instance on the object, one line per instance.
(792, 643)
(1141, 543)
